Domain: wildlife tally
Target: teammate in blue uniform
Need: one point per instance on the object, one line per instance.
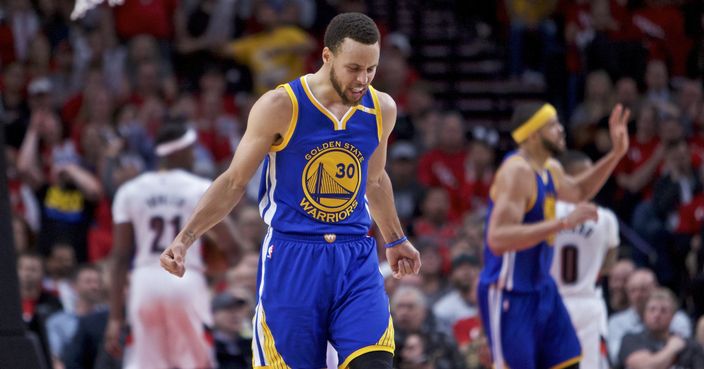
(526, 322)
(323, 138)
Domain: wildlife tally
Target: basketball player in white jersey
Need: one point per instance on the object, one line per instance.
(581, 255)
(167, 316)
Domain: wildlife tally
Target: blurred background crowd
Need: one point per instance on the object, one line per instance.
(80, 103)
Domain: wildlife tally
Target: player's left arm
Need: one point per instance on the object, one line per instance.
(403, 258)
(588, 183)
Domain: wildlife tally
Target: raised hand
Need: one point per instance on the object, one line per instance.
(581, 213)
(618, 129)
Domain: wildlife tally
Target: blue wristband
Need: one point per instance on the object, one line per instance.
(397, 242)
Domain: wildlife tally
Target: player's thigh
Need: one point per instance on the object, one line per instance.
(559, 344)
(510, 321)
(290, 322)
(360, 320)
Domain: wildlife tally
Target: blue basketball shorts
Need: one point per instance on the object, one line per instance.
(311, 292)
(528, 330)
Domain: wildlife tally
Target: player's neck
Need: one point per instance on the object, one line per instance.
(536, 156)
(321, 87)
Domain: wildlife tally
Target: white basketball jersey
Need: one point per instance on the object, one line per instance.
(580, 252)
(158, 204)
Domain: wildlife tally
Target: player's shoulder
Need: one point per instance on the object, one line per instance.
(274, 109)
(135, 184)
(276, 99)
(386, 102)
(515, 167)
(190, 179)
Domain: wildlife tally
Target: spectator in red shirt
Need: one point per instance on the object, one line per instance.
(638, 168)
(444, 166)
(434, 223)
(661, 26)
(479, 169)
(162, 19)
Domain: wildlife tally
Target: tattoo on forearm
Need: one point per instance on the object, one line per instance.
(188, 237)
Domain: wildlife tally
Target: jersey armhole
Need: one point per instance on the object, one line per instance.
(292, 124)
(377, 109)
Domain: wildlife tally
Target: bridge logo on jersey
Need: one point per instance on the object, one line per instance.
(331, 181)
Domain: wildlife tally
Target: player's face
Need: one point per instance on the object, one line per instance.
(352, 69)
(552, 136)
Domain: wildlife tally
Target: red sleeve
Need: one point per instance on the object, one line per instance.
(425, 170)
(687, 223)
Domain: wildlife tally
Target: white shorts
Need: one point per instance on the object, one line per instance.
(167, 317)
(588, 315)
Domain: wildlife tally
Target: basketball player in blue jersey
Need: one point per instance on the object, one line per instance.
(323, 138)
(526, 322)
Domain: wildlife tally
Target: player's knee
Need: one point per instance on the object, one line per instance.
(373, 360)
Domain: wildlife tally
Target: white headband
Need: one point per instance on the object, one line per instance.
(170, 147)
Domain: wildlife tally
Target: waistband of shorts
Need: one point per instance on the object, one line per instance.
(318, 237)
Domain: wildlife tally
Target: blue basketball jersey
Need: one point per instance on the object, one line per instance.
(314, 181)
(527, 270)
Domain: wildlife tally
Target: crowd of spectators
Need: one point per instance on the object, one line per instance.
(80, 103)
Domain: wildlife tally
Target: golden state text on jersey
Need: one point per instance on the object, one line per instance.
(314, 181)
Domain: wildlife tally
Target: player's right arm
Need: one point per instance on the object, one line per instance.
(268, 122)
(512, 191)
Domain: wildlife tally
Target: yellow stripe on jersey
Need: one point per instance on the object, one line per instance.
(313, 100)
(348, 116)
(292, 123)
(377, 108)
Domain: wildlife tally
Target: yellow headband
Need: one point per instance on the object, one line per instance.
(535, 122)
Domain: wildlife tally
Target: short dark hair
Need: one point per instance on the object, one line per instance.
(356, 26)
(523, 112)
(174, 129)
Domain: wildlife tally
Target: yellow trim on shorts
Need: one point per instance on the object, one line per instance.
(271, 355)
(377, 108)
(294, 119)
(567, 363)
(363, 351)
(387, 339)
(385, 343)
